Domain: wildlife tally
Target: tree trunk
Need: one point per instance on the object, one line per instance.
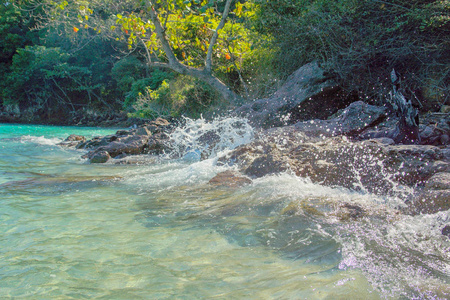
(204, 74)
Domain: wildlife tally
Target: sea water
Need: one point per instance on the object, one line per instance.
(74, 230)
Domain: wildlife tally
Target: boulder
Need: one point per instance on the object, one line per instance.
(307, 93)
(377, 165)
(350, 121)
(100, 157)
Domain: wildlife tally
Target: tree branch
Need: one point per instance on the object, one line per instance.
(208, 62)
(160, 33)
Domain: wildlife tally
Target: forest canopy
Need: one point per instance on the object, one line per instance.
(176, 57)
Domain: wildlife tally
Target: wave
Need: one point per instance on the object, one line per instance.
(40, 140)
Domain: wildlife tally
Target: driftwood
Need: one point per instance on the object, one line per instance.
(407, 131)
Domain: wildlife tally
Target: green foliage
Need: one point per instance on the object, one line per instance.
(42, 77)
(181, 95)
(14, 34)
(126, 71)
(361, 41)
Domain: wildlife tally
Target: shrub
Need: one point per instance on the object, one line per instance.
(362, 41)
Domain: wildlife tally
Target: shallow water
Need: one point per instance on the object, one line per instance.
(69, 229)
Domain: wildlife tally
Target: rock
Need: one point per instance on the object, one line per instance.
(439, 181)
(143, 131)
(446, 231)
(134, 144)
(74, 137)
(348, 212)
(97, 142)
(264, 165)
(73, 140)
(307, 93)
(123, 132)
(377, 165)
(160, 122)
(158, 144)
(430, 202)
(350, 121)
(229, 179)
(100, 157)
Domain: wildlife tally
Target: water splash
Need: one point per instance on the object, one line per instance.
(202, 139)
(40, 140)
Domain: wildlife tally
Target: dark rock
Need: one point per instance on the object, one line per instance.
(97, 142)
(134, 144)
(229, 179)
(123, 132)
(100, 157)
(297, 98)
(265, 165)
(350, 121)
(348, 211)
(446, 231)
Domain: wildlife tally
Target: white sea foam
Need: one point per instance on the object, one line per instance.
(40, 140)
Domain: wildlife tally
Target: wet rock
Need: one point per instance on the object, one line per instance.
(123, 132)
(430, 202)
(446, 231)
(229, 179)
(348, 212)
(433, 197)
(439, 181)
(377, 166)
(97, 142)
(134, 144)
(158, 143)
(100, 157)
(350, 121)
(265, 165)
(73, 140)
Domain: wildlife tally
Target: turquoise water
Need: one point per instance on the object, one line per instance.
(73, 230)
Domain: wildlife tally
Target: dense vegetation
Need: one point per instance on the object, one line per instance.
(172, 58)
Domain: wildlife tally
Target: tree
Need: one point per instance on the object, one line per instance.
(14, 34)
(184, 36)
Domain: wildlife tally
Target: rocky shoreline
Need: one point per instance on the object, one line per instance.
(354, 147)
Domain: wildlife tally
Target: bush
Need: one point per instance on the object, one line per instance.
(362, 41)
(180, 96)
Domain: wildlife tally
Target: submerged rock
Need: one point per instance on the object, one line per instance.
(230, 179)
